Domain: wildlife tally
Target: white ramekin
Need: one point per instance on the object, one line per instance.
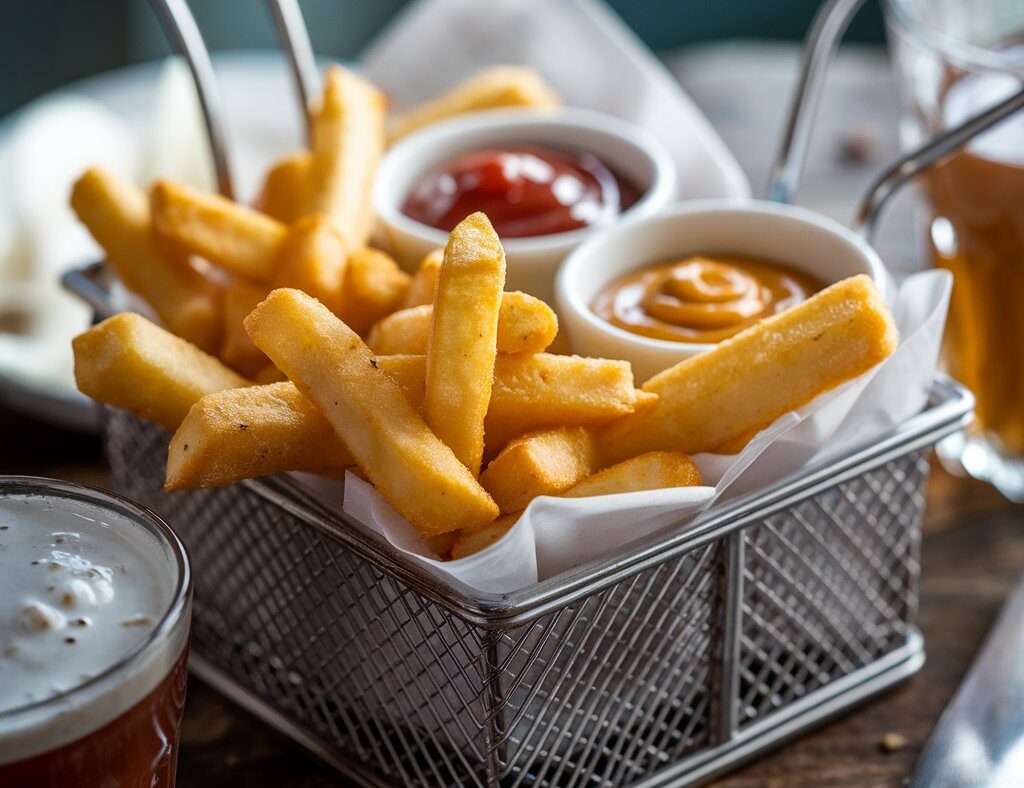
(531, 262)
(784, 234)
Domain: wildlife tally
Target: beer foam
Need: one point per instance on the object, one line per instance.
(81, 587)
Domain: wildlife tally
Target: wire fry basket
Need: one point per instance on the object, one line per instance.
(674, 659)
(662, 665)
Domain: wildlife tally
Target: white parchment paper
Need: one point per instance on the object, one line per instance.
(555, 534)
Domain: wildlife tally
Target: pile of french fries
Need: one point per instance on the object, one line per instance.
(288, 343)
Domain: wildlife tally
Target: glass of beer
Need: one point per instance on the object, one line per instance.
(95, 603)
(954, 59)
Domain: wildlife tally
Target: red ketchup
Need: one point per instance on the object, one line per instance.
(525, 191)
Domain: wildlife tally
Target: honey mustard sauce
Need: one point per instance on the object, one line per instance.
(702, 299)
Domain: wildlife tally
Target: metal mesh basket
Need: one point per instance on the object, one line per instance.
(670, 661)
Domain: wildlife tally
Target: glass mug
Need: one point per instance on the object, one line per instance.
(95, 604)
(953, 59)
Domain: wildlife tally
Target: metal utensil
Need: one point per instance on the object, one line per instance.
(979, 740)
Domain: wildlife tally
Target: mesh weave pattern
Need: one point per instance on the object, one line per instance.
(605, 691)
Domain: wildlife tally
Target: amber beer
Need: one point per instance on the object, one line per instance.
(977, 233)
(95, 599)
(953, 60)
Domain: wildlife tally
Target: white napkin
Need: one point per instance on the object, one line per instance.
(555, 534)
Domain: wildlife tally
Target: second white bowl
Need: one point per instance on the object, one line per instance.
(775, 233)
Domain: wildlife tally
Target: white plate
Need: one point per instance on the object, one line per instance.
(149, 118)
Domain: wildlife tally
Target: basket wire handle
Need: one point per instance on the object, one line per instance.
(830, 23)
(921, 158)
(827, 30)
(183, 34)
(294, 35)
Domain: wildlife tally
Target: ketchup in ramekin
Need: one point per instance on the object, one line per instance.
(525, 191)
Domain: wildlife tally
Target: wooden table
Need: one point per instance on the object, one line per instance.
(974, 543)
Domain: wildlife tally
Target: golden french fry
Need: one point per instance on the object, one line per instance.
(441, 545)
(328, 362)
(651, 471)
(130, 363)
(540, 391)
(237, 350)
(269, 374)
(243, 433)
(374, 287)
(525, 325)
(424, 281)
(287, 190)
(348, 141)
(461, 348)
(745, 383)
(117, 215)
(493, 88)
(313, 258)
(541, 463)
(528, 391)
(404, 332)
(473, 540)
(238, 238)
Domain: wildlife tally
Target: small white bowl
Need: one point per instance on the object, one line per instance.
(531, 262)
(775, 233)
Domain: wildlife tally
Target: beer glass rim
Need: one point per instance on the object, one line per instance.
(139, 515)
(904, 18)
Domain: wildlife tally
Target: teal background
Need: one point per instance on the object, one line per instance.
(47, 43)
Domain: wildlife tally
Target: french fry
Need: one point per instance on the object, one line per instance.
(240, 239)
(461, 348)
(130, 363)
(441, 545)
(424, 281)
(412, 469)
(313, 258)
(117, 215)
(575, 389)
(237, 350)
(374, 287)
(269, 374)
(541, 391)
(248, 432)
(348, 141)
(525, 325)
(541, 463)
(651, 471)
(287, 191)
(473, 540)
(745, 383)
(493, 88)
(404, 332)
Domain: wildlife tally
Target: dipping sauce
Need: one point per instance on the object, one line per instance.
(81, 587)
(702, 299)
(525, 191)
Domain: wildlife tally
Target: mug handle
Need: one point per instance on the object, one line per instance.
(830, 23)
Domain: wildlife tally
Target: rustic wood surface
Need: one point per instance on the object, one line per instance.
(974, 543)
